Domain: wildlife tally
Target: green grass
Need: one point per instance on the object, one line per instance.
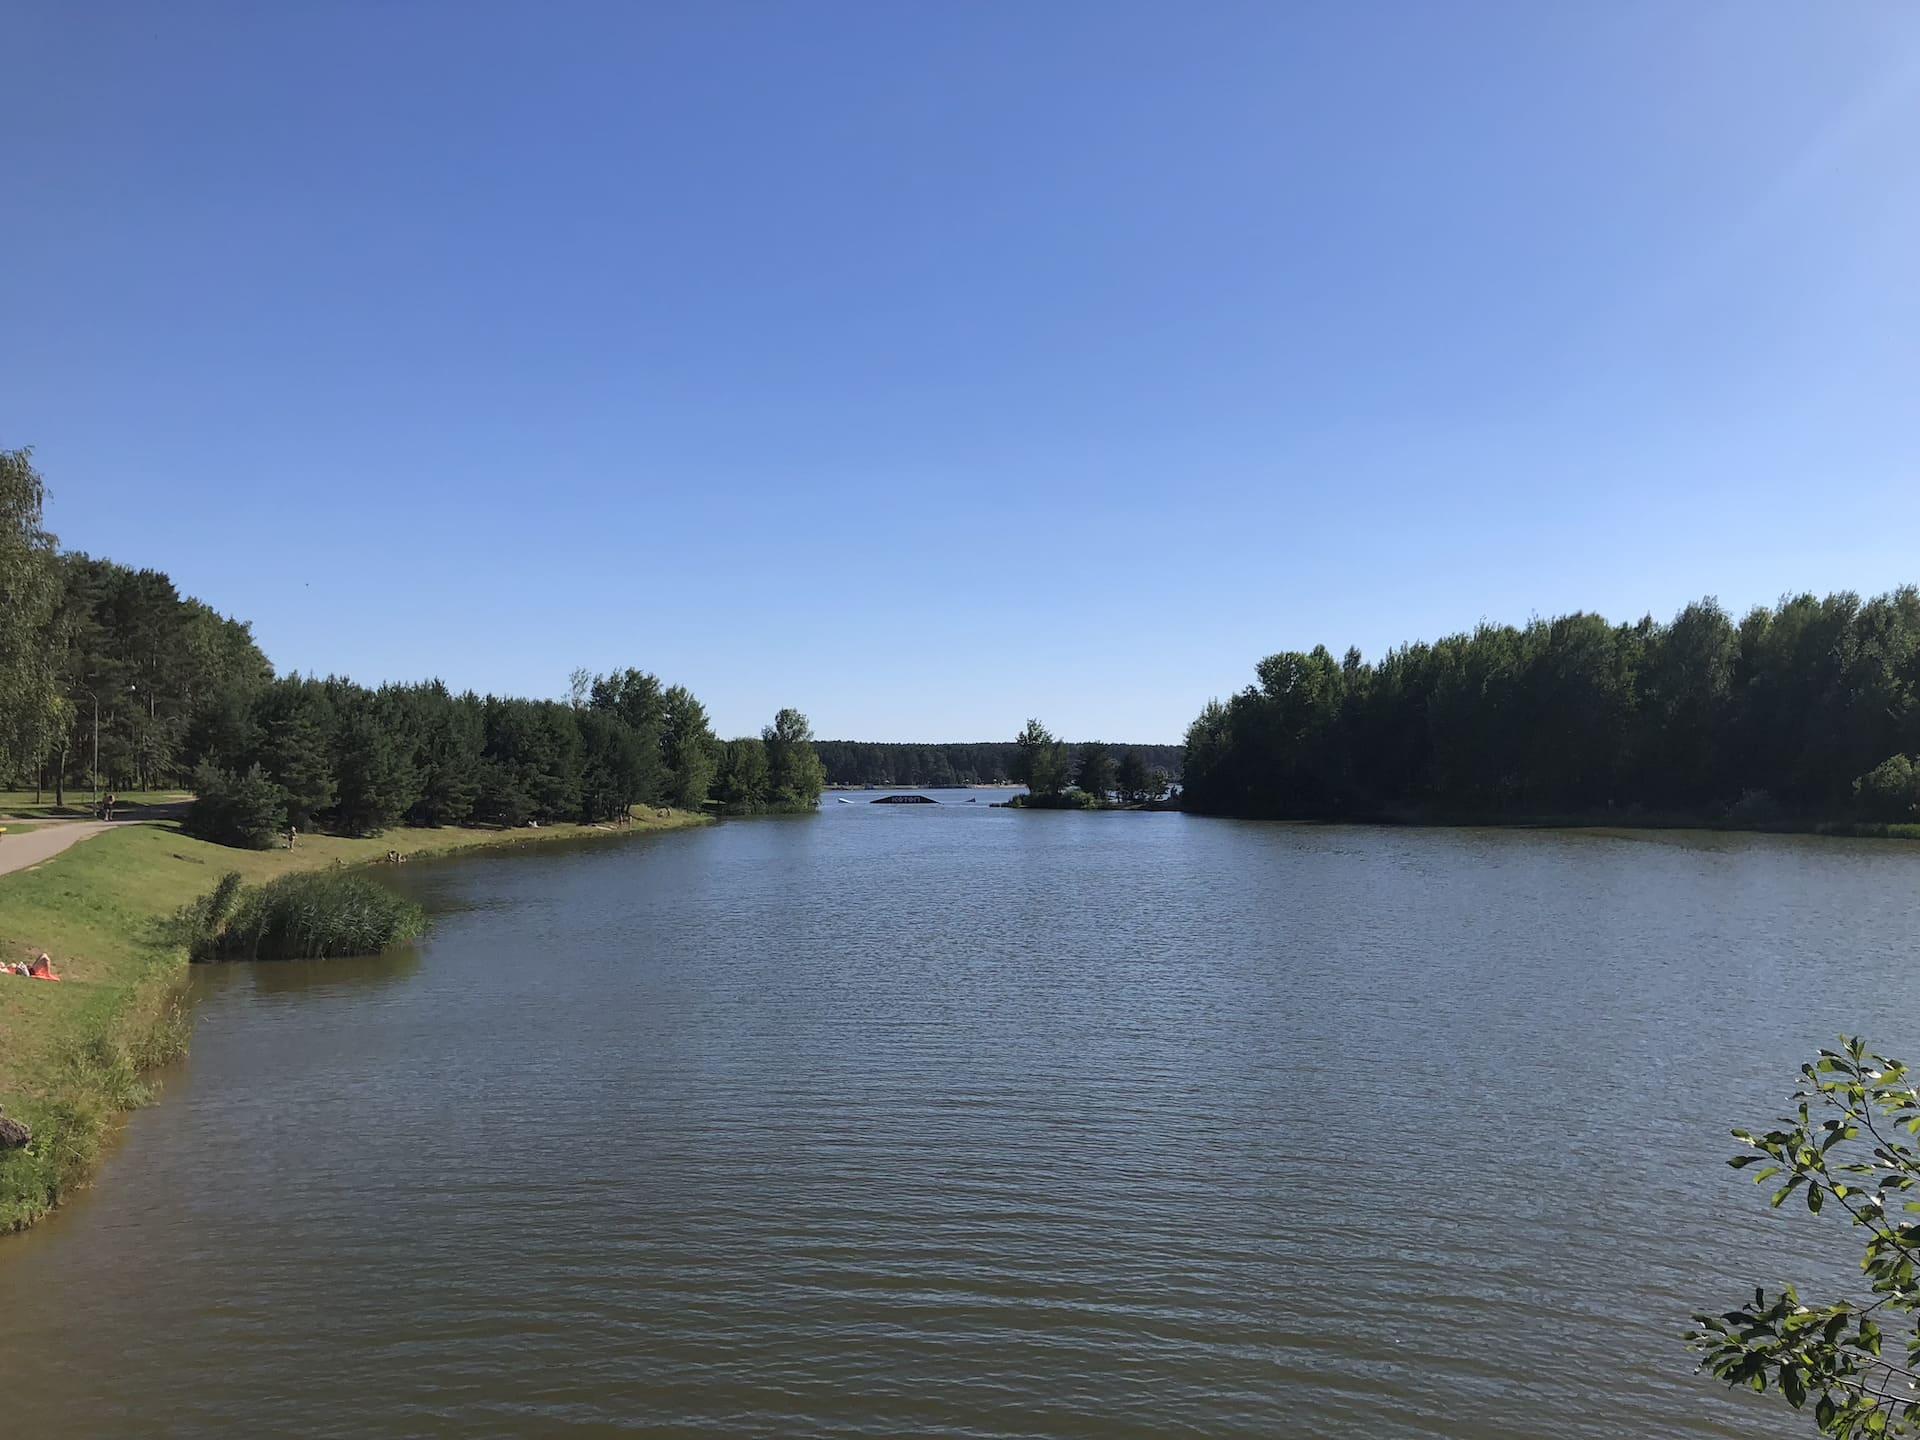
(72, 1054)
(1871, 829)
(26, 804)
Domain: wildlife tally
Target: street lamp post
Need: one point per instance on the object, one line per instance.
(91, 694)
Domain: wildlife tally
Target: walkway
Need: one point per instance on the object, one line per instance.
(19, 849)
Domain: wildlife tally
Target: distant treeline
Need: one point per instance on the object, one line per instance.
(329, 753)
(1809, 709)
(178, 695)
(983, 762)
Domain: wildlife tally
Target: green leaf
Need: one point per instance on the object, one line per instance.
(1794, 1385)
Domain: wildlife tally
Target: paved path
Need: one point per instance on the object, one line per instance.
(20, 849)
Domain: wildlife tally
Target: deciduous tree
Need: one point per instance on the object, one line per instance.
(29, 598)
(1846, 1152)
(1094, 770)
(1040, 762)
(686, 748)
(794, 772)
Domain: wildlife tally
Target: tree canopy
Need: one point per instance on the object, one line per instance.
(30, 710)
(179, 695)
(1787, 709)
(795, 776)
(1040, 762)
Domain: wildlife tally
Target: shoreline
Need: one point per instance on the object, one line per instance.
(74, 1056)
(1602, 821)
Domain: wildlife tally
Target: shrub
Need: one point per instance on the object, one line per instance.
(1889, 791)
(1075, 799)
(198, 925)
(313, 917)
(245, 810)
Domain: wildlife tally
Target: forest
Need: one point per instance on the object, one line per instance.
(110, 678)
(1806, 709)
(981, 762)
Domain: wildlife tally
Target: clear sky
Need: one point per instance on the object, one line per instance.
(928, 366)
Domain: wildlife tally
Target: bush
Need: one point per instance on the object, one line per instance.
(1889, 791)
(247, 810)
(312, 917)
(1075, 799)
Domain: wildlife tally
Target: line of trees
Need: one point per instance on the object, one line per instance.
(179, 695)
(330, 754)
(1807, 708)
(980, 762)
(334, 755)
(1091, 775)
(105, 671)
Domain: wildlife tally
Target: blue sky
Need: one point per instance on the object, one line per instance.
(930, 366)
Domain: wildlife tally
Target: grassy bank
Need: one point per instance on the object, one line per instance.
(71, 1055)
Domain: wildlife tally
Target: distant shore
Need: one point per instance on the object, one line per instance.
(1600, 820)
(72, 1055)
(969, 785)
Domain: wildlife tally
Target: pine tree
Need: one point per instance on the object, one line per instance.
(295, 754)
(373, 777)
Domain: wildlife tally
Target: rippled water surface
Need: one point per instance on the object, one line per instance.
(961, 1121)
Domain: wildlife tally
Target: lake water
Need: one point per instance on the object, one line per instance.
(950, 1120)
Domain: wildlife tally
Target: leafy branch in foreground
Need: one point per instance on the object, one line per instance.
(1847, 1150)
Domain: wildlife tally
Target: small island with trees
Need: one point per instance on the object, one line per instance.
(1088, 777)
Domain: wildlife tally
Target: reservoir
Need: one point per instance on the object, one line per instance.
(952, 1120)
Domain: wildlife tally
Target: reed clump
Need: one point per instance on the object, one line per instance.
(312, 916)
